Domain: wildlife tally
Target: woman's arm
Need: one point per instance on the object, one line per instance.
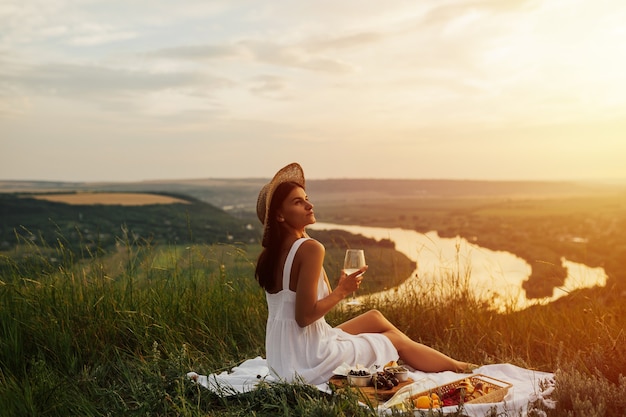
(309, 262)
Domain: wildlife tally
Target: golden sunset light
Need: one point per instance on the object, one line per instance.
(311, 208)
(99, 91)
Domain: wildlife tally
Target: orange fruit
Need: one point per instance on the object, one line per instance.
(423, 401)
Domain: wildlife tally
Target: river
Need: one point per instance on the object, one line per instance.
(495, 276)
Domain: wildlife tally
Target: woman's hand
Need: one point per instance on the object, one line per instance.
(352, 282)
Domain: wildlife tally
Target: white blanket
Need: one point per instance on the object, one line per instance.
(525, 385)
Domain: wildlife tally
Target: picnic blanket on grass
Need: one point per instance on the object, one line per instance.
(527, 385)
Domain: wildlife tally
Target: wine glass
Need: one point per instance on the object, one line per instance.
(354, 260)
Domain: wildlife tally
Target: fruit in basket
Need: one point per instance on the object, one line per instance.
(427, 401)
(452, 397)
(478, 390)
(457, 393)
(423, 401)
(467, 385)
(465, 391)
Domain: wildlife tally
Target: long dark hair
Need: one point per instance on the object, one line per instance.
(268, 259)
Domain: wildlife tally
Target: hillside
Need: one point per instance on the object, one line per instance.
(88, 226)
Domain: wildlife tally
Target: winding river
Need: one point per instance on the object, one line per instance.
(495, 276)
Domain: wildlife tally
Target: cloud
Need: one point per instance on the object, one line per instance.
(347, 41)
(59, 22)
(269, 86)
(85, 80)
(116, 90)
(440, 14)
(295, 56)
(90, 34)
(199, 52)
(259, 51)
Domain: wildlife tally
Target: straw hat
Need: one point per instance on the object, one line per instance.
(291, 173)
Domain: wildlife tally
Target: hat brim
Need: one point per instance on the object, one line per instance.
(290, 173)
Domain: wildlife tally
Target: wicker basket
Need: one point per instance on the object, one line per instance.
(497, 389)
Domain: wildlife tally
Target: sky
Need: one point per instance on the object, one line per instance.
(133, 90)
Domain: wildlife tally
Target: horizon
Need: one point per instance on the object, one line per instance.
(117, 91)
(608, 181)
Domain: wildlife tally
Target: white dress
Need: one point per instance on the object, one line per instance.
(311, 353)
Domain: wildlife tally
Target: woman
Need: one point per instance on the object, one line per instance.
(300, 344)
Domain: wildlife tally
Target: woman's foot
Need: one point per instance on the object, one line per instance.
(468, 368)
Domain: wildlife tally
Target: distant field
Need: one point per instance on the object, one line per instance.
(118, 199)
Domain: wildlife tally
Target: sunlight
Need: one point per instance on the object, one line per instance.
(581, 51)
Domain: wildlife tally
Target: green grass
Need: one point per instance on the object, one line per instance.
(115, 333)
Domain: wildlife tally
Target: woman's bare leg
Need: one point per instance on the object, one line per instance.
(415, 354)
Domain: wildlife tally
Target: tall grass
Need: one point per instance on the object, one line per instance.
(115, 334)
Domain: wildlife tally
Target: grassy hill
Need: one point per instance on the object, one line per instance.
(88, 226)
(139, 296)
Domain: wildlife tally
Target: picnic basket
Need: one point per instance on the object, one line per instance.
(497, 389)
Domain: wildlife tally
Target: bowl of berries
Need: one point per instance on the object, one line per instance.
(359, 377)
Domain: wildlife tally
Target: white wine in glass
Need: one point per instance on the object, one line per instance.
(354, 260)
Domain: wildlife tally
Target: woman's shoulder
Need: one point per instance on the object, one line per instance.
(311, 252)
(311, 245)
